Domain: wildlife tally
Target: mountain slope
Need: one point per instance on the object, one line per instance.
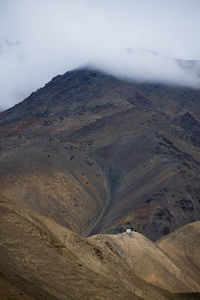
(98, 154)
(43, 260)
(183, 246)
(39, 259)
(151, 263)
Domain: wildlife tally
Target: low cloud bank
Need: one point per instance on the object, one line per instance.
(145, 65)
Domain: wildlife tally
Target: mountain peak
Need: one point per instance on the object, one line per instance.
(98, 154)
(65, 93)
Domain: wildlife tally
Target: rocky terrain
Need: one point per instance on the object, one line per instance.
(40, 259)
(97, 154)
(82, 159)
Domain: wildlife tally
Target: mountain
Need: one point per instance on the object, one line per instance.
(83, 158)
(96, 154)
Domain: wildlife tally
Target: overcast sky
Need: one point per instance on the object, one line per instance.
(135, 38)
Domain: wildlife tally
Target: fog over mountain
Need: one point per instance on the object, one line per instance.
(139, 39)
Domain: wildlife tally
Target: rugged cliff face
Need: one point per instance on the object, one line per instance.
(96, 154)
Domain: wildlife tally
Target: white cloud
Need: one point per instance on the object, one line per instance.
(42, 38)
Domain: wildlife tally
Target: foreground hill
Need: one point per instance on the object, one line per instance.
(173, 263)
(97, 154)
(39, 259)
(183, 246)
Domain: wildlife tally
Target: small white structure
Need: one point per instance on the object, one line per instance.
(130, 229)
